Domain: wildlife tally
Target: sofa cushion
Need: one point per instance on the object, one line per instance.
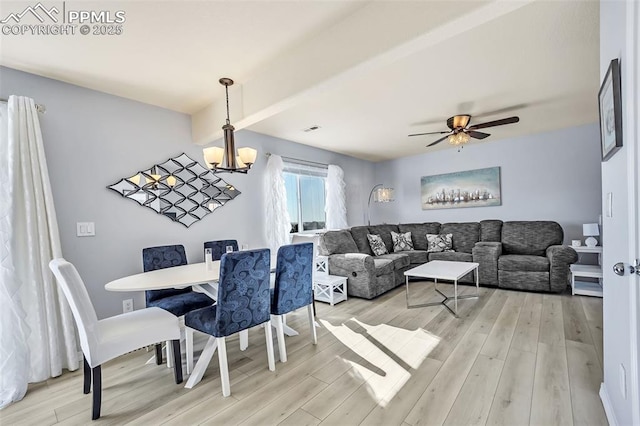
(400, 260)
(523, 263)
(402, 241)
(439, 242)
(465, 235)
(377, 245)
(337, 242)
(530, 237)
(383, 266)
(490, 230)
(417, 256)
(385, 232)
(359, 234)
(419, 232)
(453, 256)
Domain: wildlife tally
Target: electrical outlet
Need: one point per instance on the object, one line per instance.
(127, 305)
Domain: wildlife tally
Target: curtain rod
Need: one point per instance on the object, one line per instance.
(300, 161)
(40, 108)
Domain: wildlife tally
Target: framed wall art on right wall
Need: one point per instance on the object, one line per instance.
(610, 105)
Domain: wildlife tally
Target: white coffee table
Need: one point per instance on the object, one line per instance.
(443, 270)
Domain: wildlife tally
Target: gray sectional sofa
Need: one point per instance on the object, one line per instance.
(524, 255)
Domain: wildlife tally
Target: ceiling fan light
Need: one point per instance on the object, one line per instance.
(458, 139)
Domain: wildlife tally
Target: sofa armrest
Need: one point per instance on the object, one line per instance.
(560, 259)
(486, 254)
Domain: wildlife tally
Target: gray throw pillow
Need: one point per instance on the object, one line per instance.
(439, 242)
(401, 242)
(377, 245)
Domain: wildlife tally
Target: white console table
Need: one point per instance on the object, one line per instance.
(580, 270)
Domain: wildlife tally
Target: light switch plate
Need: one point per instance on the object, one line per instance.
(85, 229)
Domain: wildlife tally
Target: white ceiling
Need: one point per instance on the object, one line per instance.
(367, 73)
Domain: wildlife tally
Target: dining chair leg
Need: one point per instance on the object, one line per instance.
(177, 361)
(244, 340)
(224, 366)
(282, 349)
(97, 392)
(169, 354)
(312, 325)
(188, 337)
(158, 353)
(87, 377)
(269, 337)
(203, 363)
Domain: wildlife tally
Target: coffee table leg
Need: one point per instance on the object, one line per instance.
(455, 295)
(406, 279)
(477, 283)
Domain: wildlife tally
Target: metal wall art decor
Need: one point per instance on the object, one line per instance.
(471, 188)
(180, 189)
(610, 102)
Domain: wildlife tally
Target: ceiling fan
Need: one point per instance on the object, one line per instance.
(461, 131)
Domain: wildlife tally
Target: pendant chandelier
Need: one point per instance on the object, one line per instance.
(226, 159)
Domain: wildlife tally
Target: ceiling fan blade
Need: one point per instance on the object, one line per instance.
(477, 135)
(438, 141)
(500, 122)
(430, 133)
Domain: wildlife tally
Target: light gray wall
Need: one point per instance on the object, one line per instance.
(547, 176)
(93, 139)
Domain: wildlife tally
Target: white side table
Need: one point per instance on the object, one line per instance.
(579, 270)
(330, 288)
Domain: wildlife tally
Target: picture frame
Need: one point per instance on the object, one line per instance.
(610, 108)
(468, 188)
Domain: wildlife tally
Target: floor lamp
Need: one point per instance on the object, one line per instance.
(380, 194)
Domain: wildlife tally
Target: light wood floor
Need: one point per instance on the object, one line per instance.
(512, 358)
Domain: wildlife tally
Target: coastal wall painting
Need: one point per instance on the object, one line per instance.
(471, 188)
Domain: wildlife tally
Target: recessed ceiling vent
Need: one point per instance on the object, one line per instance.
(311, 129)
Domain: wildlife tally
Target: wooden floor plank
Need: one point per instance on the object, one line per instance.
(551, 401)
(474, 400)
(512, 401)
(300, 418)
(499, 339)
(525, 337)
(576, 327)
(436, 401)
(585, 377)
(552, 322)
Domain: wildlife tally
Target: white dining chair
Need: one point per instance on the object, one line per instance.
(103, 340)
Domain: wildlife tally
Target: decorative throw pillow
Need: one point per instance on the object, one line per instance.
(401, 242)
(439, 242)
(377, 245)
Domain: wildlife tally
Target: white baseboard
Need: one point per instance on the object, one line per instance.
(608, 408)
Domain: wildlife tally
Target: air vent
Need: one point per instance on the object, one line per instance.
(311, 129)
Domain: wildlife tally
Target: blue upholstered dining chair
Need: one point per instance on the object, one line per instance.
(219, 247)
(243, 302)
(293, 289)
(178, 301)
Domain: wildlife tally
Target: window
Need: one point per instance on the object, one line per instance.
(305, 196)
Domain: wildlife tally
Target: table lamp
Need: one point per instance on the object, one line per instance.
(590, 230)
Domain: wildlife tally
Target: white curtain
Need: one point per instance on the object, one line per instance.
(278, 224)
(37, 334)
(336, 203)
